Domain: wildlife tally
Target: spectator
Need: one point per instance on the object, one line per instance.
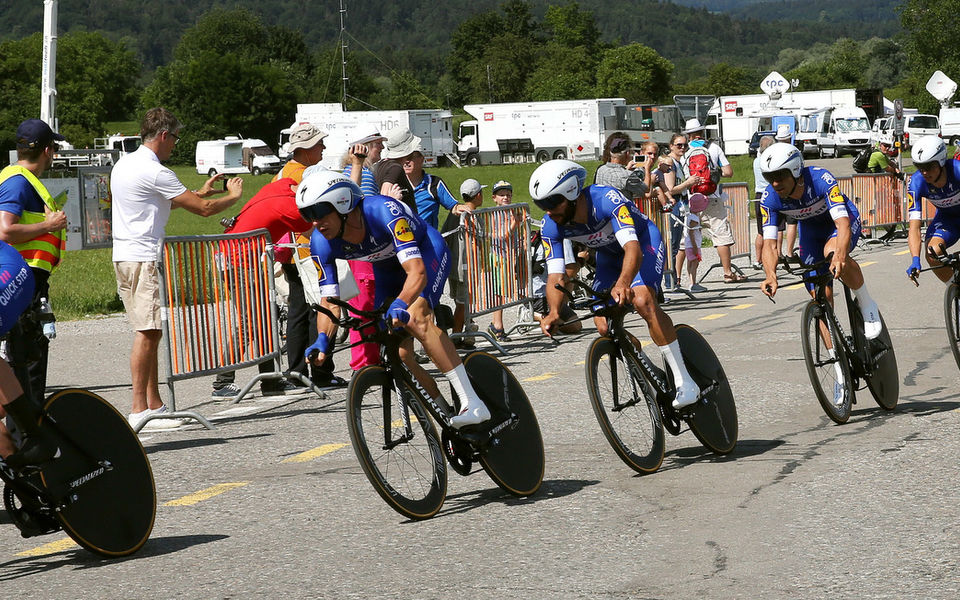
(653, 177)
(714, 218)
(502, 196)
(760, 186)
(678, 186)
(880, 160)
(365, 152)
(783, 134)
(619, 170)
(399, 144)
(33, 222)
(429, 191)
(692, 239)
(306, 145)
(472, 193)
(144, 192)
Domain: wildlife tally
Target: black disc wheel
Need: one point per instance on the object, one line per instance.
(512, 448)
(102, 480)
(827, 363)
(713, 419)
(396, 443)
(951, 314)
(880, 368)
(625, 406)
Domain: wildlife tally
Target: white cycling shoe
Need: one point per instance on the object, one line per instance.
(872, 326)
(687, 394)
(471, 414)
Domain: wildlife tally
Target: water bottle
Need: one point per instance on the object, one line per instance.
(47, 319)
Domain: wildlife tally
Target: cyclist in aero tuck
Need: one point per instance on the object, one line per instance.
(629, 254)
(16, 291)
(410, 265)
(940, 184)
(828, 222)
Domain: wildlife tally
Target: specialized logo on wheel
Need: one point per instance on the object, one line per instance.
(624, 216)
(402, 232)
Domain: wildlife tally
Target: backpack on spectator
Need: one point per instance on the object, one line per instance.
(701, 164)
(861, 160)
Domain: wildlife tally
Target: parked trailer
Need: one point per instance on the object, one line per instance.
(523, 132)
(433, 126)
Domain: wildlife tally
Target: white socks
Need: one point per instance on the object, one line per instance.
(472, 409)
(687, 389)
(872, 326)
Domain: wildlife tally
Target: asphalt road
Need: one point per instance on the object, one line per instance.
(802, 508)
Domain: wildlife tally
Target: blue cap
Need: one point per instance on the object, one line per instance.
(34, 133)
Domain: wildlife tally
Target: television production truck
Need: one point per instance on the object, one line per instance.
(524, 132)
(433, 126)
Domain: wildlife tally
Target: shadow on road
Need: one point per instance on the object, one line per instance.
(550, 489)
(743, 449)
(78, 558)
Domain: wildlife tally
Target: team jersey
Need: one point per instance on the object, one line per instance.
(612, 222)
(393, 233)
(946, 199)
(821, 204)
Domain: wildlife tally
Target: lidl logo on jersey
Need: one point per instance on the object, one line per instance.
(624, 216)
(547, 250)
(316, 263)
(835, 196)
(402, 232)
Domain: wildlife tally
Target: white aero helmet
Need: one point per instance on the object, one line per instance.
(323, 191)
(779, 157)
(555, 181)
(929, 149)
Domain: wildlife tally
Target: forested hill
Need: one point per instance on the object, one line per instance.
(417, 32)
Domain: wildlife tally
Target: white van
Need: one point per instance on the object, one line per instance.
(259, 158)
(882, 131)
(919, 126)
(835, 131)
(220, 156)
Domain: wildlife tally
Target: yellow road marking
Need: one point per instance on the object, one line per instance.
(57, 546)
(796, 286)
(206, 494)
(902, 252)
(741, 306)
(712, 317)
(314, 453)
(868, 263)
(543, 377)
(582, 362)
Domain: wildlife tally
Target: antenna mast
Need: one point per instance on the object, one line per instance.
(343, 55)
(48, 71)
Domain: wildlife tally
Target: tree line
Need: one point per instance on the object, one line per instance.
(231, 72)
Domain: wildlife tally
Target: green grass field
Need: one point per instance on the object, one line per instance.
(84, 284)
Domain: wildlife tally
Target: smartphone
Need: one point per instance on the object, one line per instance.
(638, 158)
(223, 182)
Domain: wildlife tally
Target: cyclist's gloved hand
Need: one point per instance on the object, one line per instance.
(398, 311)
(318, 347)
(914, 267)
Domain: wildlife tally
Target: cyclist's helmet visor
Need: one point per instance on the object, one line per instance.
(778, 175)
(550, 202)
(315, 212)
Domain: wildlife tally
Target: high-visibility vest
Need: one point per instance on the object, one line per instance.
(43, 251)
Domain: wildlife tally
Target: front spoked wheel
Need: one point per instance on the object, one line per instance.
(951, 314)
(625, 407)
(396, 444)
(827, 363)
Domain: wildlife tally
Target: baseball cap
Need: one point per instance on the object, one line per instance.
(470, 188)
(373, 134)
(502, 185)
(34, 133)
(305, 135)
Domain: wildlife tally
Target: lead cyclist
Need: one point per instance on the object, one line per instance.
(16, 293)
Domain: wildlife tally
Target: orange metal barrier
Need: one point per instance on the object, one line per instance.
(219, 306)
(879, 197)
(738, 201)
(496, 246)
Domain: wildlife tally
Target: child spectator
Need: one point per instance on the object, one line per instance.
(693, 240)
(472, 194)
(502, 196)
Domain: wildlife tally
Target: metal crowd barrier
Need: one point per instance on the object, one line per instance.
(495, 243)
(737, 201)
(654, 211)
(219, 309)
(880, 199)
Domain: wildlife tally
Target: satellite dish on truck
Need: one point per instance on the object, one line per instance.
(774, 85)
(941, 87)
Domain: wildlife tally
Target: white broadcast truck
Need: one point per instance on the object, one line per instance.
(524, 132)
(434, 127)
(220, 156)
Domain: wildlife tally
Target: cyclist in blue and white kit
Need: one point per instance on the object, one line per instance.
(940, 184)
(410, 263)
(16, 293)
(827, 221)
(629, 255)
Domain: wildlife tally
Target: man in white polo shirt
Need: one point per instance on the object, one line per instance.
(143, 193)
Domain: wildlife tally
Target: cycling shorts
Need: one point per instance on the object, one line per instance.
(650, 274)
(948, 232)
(814, 236)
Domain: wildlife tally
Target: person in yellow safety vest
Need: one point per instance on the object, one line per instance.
(32, 222)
